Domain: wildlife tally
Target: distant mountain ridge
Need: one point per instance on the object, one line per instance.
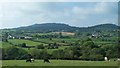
(48, 27)
(64, 27)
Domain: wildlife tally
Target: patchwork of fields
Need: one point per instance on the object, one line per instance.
(44, 42)
(63, 42)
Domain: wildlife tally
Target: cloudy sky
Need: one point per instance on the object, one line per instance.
(80, 14)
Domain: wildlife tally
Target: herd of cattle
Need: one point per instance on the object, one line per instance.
(47, 60)
(107, 59)
(32, 60)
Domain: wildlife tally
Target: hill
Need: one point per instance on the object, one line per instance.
(48, 27)
(57, 27)
(102, 27)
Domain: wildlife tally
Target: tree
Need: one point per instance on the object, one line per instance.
(89, 50)
(50, 38)
(89, 44)
(43, 54)
(40, 46)
(5, 37)
(53, 46)
(85, 52)
(96, 54)
(35, 53)
(112, 51)
(69, 54)
(23, 45)
(58, 54)
(13, 52)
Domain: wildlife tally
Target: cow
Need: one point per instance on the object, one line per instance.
(46, 60)
(106, 59)
(28, 60)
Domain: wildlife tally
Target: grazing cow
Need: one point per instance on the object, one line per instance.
(46, 60)
(106, 59)
(28, 60)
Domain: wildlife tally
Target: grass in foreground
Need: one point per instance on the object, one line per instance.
(59, 63)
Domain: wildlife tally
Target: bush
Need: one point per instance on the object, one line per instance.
(40, 46)
(22, 45)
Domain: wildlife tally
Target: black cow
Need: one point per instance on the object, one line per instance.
(46, 60)
(28, 60)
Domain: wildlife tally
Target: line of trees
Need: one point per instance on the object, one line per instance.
(86, 51)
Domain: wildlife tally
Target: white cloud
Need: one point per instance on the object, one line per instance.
(100, 7)
(102, 12)
(19, 14)
(25, 13)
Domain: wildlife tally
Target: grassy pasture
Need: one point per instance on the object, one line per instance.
(58, 40)
(45, 40)
(28, 42)
(49, 51)
(59, 63)
(103, 43)
(66, 39)
(4, 44)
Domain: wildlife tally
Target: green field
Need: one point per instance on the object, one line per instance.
(20, 41)
(4, 44)
(59, 63)
(58, 40)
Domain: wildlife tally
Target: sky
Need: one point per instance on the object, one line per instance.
(79, 14)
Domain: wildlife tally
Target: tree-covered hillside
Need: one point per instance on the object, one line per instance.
(47, 27)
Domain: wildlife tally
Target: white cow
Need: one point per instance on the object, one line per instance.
(105, 58)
